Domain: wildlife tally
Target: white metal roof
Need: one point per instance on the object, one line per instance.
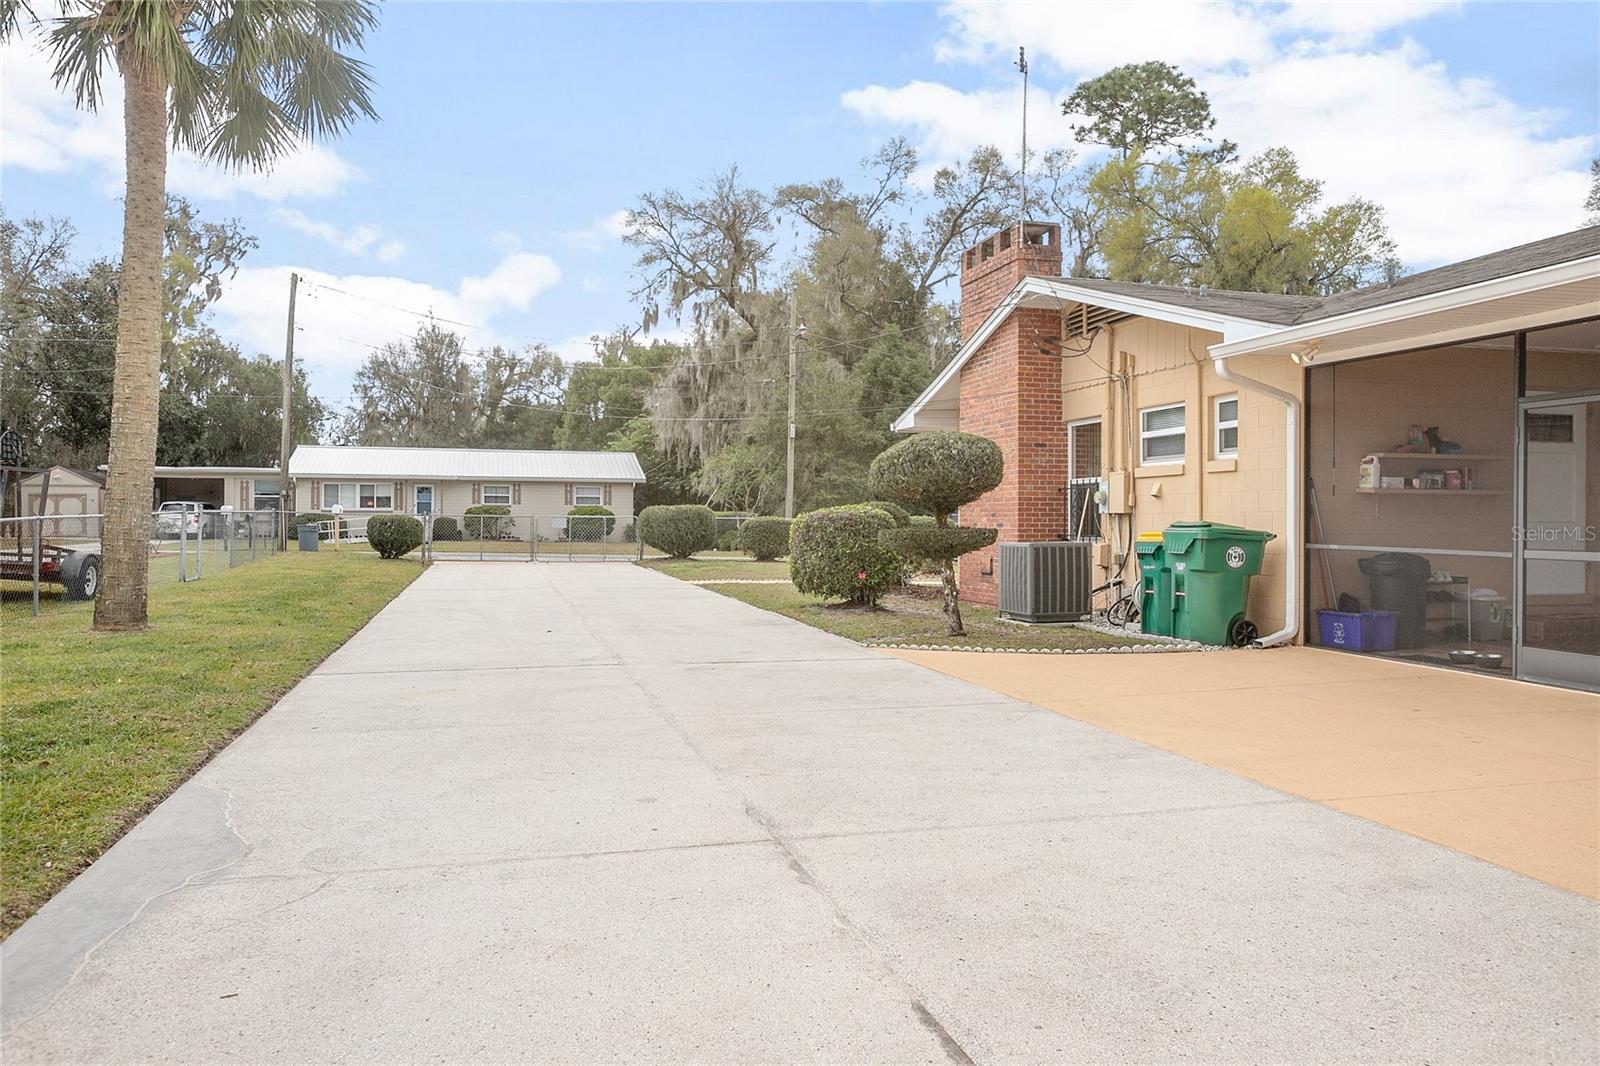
(478, 464)
(216, 471)
(939, 405)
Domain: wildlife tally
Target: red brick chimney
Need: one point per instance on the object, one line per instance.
(993, 267)
(1011, 393)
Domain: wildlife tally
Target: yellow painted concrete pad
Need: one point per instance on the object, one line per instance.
(1506, 771)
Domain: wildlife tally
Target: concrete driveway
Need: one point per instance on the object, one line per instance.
(584, 812)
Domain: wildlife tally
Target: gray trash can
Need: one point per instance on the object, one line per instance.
(310, 537)
(1400, 584)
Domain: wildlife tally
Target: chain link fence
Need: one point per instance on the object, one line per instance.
(51, 559)
(532, 537)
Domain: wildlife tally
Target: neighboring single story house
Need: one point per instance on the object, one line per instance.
(446, 481)
(243, 488)
(1449, 420)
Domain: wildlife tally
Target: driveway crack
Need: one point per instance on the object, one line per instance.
(925, 1017)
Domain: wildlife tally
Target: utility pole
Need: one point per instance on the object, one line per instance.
(797, 330)
(1022, 65)
(286, 441)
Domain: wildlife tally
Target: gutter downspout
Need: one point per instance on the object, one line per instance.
(1291, 476)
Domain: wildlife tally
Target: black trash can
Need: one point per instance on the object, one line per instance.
(309, 536)
(1399, 583)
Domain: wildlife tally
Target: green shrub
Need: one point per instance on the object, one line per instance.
(589, 523)
(835, 553)
(924, 520)
(937, 472)
(765, 538)
(489, 521)
(922, 544)
(394, 535)
(311, 518)
(630, 532)
(446, 528)
(680, 530)
(901, 516)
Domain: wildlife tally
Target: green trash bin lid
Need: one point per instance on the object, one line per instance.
(1181, 536)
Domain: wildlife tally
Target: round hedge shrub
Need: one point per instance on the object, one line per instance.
(901, 516)
(937, 472)
(446, 528)
(766, 538)
(834, 553)
(393, 535)
(311, 518)
(590, 523)
(922, 544)
(491, 521)
(680, 530)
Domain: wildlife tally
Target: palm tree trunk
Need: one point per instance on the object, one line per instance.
(136, 386)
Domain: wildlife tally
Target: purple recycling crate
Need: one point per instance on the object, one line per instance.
(1358, 630)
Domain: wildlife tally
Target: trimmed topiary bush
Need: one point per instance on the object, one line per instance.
(680, 530)
(394, 535)
(901, 516)
(835, 553)
(589, 523)
(938, 473)
(765, 538)
(490, 521)
(446, 528)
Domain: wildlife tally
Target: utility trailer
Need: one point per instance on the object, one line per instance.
(76, 570)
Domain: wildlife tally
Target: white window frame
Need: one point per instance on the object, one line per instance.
(1218, 424)
(355, 494)
(580, 491)
(501, 491)
(257, 496)
(1147, 435)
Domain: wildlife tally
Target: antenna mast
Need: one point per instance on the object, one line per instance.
(1022, 65)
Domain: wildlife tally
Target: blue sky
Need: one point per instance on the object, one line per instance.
(513, 135)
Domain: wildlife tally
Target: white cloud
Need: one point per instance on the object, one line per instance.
(365, 239)
(42, 130)
(1461, 168)
(338, 329)
(1355, 23)
(602, 232)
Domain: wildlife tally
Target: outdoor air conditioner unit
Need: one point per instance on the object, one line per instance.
(1045, 581)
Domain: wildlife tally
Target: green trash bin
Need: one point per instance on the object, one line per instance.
(1155, 580)
(1211, 566)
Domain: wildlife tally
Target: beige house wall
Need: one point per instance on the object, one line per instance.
(454, 495)
(1165, 364)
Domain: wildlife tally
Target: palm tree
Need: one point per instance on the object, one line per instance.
(238, 81)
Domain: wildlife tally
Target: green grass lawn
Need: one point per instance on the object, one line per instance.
(913, 616)
(721, 568)
(98, 727)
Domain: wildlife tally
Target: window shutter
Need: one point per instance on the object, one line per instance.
(516, 492)
(247, 499)
(477, 492)
(608, 495)
(568, 488)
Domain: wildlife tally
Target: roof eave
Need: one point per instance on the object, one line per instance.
(1063, 289)
(1350, 324)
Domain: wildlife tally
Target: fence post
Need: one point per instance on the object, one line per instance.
(227, 536)
(38, 553)
(183, 546)
(427, 538)
(200, 547)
